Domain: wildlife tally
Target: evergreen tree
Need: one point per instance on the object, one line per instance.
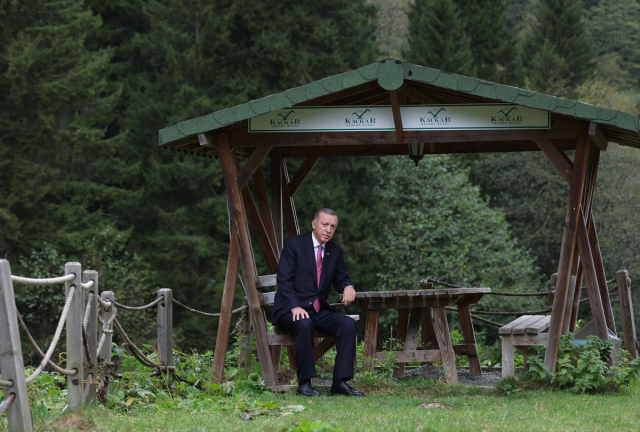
(492, 47)
(557, 51)
(437, 37)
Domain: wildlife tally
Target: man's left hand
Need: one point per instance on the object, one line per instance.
(348, 295)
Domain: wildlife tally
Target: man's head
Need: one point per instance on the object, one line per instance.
(324, 224)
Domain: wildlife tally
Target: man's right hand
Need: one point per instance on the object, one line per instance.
(299, 313)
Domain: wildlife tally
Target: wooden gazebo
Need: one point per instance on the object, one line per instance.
(378, 110)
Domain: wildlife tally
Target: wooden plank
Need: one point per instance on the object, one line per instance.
(528, 339)
(92, 334)
(539, 326)
(262, 196)
(288, 205)
(252, 165)
(247, 262)
(600, 275)
(429, 339)
(276, 197)
(554, 156)
(522, 327)
(567, 251)
(266, 281)
(75, 386)
(397, 117)
(469, 338)
(597, 137)
(626, 311)
(576, 299)
(320, 349)
(403, 325)
(508, 357)
(466, 349)
(506, 329)
(19, 416)
(413, 331)
(302, 173)
(224, 325)
(371, 338)
(423, 356)
(444, 341)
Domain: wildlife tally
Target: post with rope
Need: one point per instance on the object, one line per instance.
(11, 362)
(165, 329)
(626, 308)
(106, 316)
(73, 287)
(90, 279)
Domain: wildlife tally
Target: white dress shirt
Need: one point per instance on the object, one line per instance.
(316, 243)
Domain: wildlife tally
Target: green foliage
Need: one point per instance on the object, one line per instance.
(583, 368)
(557, 51)
(316, 426)
(437, 37)
(494, 49)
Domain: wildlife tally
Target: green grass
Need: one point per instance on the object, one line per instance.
(396, 409)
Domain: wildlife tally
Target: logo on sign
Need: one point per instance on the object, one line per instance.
(360, 120)
(505, 117)
(433, 120)
(284, 120)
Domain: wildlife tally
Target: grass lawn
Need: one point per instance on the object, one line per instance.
(395, 409)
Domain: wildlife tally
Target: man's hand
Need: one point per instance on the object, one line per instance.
(299, 313)
(348, 295)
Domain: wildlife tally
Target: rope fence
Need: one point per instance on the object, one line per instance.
(45, 281)
(139, 308)
(6, 383)
(4, 406)
(207, 314)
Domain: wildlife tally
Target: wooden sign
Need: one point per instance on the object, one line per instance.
(414, 117)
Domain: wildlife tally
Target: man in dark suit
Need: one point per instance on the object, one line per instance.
(309, 263)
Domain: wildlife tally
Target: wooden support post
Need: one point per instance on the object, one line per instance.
(576, 299)
(92, 334)
(508, 357)
(252, 165)
(371, 338)
(626, 308)
(224, 325)
(247, 262)
(429, 339)
(75, 386)
(302, 173)
(165, 328)
(600, 275)
(246, 343)
(105, 352)
(11, 361)
(444, 341)
(397, 118)
(567, 251)
(262, 197)
(276, 196)
(469, 338)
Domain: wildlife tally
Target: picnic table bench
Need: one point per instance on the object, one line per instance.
(528, 330)
(424, 308)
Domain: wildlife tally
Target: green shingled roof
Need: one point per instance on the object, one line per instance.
(390, 75)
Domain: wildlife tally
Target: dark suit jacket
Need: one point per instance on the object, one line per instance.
(297, 277)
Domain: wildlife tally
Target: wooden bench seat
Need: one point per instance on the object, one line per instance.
(528, 330)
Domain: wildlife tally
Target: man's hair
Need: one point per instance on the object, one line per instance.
(325, 211)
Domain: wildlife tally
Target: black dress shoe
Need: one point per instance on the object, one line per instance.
(307, 390)
(344, 389)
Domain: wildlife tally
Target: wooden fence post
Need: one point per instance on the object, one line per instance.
(11, 362)
(105, 351)
(626, 307)
(75, 387)
(92, 333)
(165, 328)
(245, 342)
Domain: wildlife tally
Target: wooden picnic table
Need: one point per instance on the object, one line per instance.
(424, 309)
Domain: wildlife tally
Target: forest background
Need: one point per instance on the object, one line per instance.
(85, 86)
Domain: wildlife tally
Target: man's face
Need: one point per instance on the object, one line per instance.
(324, 227)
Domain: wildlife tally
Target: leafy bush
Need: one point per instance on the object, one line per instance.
(584, 368)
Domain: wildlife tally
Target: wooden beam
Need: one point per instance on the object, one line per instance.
(265, 209)
(416, 96)
(247, 262)
(259, 229)
(224, 325)
(554, 155)
(469, 338)
(288, 206)
(567, 251)
(371, 338)
(302, 173)
(626, 309)
(397, 117)
(276, 196)
(252, 165)
(597, 136)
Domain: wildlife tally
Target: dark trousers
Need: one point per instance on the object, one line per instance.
(328, 322)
